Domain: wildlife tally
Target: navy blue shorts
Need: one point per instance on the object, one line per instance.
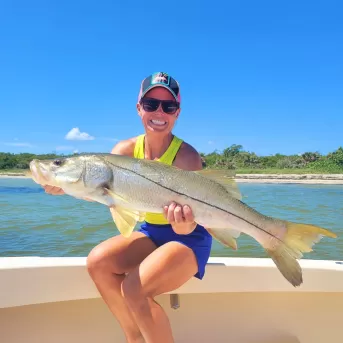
(200, 241)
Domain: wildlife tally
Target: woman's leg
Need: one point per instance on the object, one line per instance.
(107, 264)
(164, 270)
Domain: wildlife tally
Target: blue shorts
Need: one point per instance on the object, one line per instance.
(200, 241)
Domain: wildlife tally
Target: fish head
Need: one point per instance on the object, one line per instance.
(57, 172)
(76, 175)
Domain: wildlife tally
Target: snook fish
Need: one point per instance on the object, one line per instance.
(130, 187)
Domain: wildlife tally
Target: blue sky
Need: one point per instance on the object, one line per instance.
(264, 74)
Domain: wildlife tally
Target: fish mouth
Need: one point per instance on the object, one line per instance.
(38, 172)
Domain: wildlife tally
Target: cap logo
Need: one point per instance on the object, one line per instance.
(160, 78)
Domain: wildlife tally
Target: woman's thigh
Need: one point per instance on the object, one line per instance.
(163, 270)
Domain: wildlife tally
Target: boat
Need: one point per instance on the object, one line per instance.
(240, 300)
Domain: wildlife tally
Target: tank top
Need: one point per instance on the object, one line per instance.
(167, 158)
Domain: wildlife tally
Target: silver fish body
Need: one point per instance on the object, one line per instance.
(131, 187)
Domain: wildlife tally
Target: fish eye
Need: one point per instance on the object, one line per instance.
(57, 162)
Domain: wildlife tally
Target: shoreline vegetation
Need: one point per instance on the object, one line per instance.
(309, 167)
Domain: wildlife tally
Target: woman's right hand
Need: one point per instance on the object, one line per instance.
(53, 190)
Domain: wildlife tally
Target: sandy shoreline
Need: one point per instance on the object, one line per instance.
(290, 181)
(334, 179)
(13, 176)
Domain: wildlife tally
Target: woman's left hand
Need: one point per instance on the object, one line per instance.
(180, 217)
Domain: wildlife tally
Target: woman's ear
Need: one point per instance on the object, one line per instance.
(138, 106)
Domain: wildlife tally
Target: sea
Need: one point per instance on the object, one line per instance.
(33, 223)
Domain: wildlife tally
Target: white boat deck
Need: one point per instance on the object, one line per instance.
(240, 300)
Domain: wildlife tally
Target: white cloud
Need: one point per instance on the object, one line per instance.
(75, 135)
(210, 142)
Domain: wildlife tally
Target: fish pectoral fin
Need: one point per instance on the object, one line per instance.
(114, 195)
(225, 236)
(223, 177)
(125, 219)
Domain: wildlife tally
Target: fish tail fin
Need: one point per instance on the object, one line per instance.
(298, 239)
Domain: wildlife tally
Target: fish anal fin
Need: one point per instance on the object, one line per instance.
(125, 219)
(224, 236)
(223, 177)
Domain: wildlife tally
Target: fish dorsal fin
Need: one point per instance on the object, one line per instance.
(223, 177)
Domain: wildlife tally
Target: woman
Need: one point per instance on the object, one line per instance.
(168, 249)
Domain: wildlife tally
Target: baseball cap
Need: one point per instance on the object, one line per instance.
(160, 79)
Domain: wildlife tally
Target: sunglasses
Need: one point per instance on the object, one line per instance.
(152, 104)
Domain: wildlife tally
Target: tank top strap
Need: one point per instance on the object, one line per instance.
(169, 155)
(139, 147)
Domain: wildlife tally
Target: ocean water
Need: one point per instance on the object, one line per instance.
(33, 223)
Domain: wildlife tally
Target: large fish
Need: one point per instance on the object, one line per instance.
(130, 187)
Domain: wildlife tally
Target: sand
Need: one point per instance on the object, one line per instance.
(13, 176)
(336, 179)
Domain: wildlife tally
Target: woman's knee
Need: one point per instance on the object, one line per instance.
(96, 260)
(100, 260)
(118, 255)
(132, 290)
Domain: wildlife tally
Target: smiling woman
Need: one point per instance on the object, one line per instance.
(169, 248)
(159, 104)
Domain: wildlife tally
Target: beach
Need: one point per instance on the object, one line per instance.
(16, 176)
(326, 179)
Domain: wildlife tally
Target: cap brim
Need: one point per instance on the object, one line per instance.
(159, 85)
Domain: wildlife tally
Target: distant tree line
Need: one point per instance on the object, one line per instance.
(233, 157)
(21, 161)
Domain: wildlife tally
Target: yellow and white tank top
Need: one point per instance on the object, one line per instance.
(167, 158)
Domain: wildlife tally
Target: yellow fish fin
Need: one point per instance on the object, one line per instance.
(224, 236)
(125, 219)
(299, 239)
(225, 178)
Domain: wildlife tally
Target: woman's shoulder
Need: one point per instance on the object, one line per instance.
(125, 146)
(188, 158)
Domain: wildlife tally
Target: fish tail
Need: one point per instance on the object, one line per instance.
(298, 239)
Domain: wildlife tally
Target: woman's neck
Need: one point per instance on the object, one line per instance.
(156, 145)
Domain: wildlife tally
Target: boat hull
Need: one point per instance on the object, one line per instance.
(240, 300)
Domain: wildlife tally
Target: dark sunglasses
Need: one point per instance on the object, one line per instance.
(152, 104)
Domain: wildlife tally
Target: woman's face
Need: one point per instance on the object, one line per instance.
(158, 121)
